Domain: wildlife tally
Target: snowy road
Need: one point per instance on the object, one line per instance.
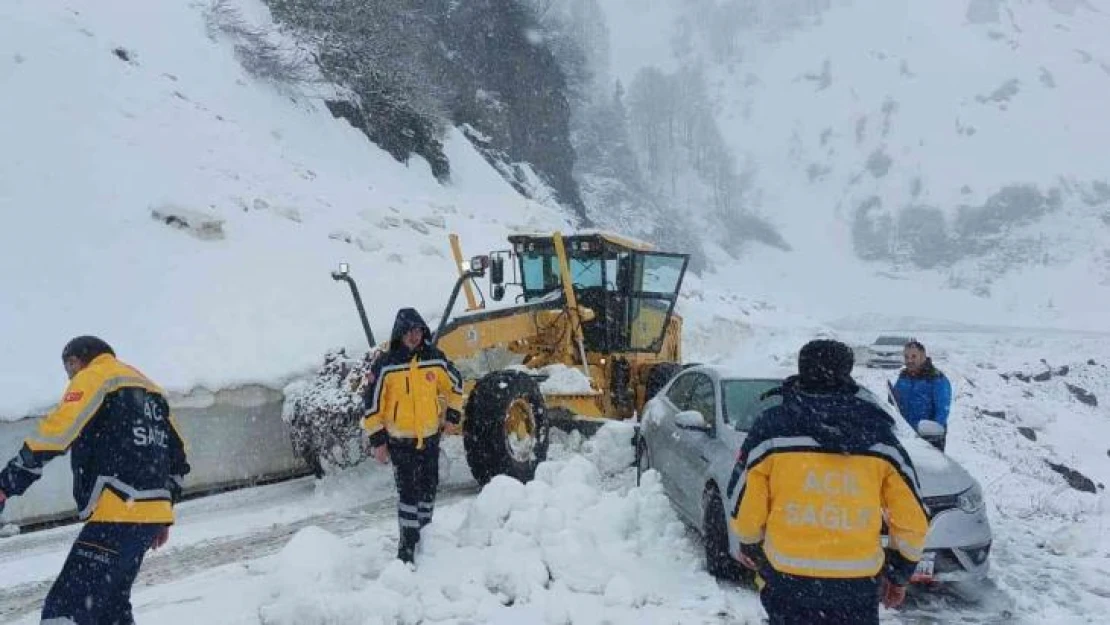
(175, 563)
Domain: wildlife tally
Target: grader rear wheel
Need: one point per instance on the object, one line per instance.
(506, 428)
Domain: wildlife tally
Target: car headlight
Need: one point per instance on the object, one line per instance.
(971, 500)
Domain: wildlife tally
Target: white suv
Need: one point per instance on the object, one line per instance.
(886, 352)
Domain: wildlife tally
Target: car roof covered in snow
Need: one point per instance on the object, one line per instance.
(726, 372)
(892, 340)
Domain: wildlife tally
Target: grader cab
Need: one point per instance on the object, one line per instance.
(591, 335)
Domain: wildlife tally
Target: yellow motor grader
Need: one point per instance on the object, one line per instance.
(592, 335)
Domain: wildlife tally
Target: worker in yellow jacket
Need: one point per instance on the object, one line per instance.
(403, 420)
(819, 474)
(128, 462)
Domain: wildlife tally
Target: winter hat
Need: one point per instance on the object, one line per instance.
(85, 348)
(825, 365)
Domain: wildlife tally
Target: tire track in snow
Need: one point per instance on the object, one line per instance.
(176, 563)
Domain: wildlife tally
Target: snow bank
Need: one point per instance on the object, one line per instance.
(568, 547)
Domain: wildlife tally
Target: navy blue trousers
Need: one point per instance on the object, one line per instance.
(416, 474)
(94, 587)
(792, 600)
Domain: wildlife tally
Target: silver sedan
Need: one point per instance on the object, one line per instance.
(691, 433)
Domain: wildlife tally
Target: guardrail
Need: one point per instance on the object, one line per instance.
(236, 438)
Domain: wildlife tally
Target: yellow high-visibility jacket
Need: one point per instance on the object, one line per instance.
(127, 453)
(816, 477)
(404, 399)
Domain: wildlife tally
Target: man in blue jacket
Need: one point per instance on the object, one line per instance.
(922, 391)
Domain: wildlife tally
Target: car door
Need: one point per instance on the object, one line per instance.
(743, 402)
(693, 447)
(662, 433)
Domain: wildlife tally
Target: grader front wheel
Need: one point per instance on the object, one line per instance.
(506, 428)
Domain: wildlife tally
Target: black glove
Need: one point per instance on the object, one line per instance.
(897, 569)
(175, 485)
(754, 553)
(379, 438)
(454, 417)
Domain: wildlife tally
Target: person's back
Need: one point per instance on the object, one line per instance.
(126, 453)
(123, 460)
(819, 472)
(128, 461)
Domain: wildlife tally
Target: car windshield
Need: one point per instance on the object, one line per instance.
(891, 341)
(744, 401)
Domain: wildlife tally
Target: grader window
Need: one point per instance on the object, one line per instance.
(541, 273)
(586, 272)
(656, 279)
(631, 292)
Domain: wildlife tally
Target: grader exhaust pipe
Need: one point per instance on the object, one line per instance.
(344, 275)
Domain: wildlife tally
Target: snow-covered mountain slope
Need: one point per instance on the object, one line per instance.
(957, 145)
(116, 111)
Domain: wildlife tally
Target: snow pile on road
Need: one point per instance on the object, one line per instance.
(561, 379)
(572, 546)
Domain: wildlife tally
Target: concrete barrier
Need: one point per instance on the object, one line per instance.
(236, 437)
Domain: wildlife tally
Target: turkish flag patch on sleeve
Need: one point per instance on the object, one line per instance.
(429, 376)
(73, 396)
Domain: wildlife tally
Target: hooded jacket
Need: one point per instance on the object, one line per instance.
(926, 394)
(126, 451)
(819, 473)
(403, 400)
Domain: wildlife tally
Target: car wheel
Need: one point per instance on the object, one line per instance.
(718, 561)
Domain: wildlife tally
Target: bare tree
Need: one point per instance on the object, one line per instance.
(260, 54)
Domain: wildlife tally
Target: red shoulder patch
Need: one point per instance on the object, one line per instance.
(429, 376)
(73, 396)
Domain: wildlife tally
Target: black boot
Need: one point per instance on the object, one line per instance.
(406, 553)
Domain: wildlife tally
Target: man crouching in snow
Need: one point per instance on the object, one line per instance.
(402, 418)
(128, 462)
(820, 473)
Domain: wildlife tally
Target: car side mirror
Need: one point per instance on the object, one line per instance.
(691, 420)
(927, 428)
